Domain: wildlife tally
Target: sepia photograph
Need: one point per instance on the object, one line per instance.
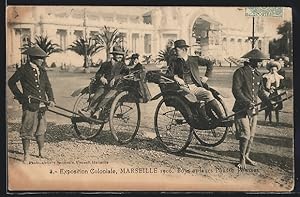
(149, 98)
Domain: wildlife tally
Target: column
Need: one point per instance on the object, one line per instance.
(155, 44)
(142, 43)
(129, 41)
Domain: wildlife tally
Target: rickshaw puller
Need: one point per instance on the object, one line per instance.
(35, 82)
(246, 87)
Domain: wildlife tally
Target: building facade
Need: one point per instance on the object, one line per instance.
(219, 32)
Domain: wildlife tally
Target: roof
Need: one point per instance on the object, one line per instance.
(100, 10)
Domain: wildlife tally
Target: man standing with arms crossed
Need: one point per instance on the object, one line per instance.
(35, 82)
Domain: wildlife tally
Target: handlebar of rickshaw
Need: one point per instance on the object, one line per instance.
(64, 109)
(261, 109)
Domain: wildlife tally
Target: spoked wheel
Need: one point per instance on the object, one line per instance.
(84, 129)
(125, 117)
(213, 137)
(171, 128)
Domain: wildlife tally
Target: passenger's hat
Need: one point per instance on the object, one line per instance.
(118, 50)
(255, 54)
(133, 56)
(273, 64)
(35, 51)
(180, 43)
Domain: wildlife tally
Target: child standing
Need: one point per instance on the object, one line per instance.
(272, 82)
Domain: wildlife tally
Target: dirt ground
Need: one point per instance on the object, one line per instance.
(273, 146)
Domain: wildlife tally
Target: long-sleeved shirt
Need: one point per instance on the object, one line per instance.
(188, 69)
(246, 87)
(34, 82)
(110, 71)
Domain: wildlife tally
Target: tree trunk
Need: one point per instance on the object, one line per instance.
(84, 62)
(107, 54)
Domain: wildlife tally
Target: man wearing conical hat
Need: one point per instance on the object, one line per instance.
(107, 75)
(35, 82)
(246, 87)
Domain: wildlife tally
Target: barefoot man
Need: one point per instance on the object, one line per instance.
(246, 87)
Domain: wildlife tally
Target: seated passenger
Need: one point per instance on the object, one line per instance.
(106, 77)
(186, 73)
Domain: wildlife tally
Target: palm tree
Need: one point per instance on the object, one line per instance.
(44, 43)
(87, 47)
(47, 45)
(109, 38)
(168, 54)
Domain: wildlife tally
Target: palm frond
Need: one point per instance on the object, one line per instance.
(108, 38)
(79, 47)
(44, 43)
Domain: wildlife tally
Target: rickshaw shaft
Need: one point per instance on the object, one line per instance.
(263, 107)
(62, 108)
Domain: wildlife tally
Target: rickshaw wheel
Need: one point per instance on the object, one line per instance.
(172, 129)
(213, 137)
(125, 117)
(85, 130)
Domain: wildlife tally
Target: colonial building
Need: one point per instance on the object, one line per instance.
(219, 32)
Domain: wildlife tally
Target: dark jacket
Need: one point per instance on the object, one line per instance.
(138, 66)
(141, 86)
(247, 85)
(31, 85)
(109, 71)
(176, 68)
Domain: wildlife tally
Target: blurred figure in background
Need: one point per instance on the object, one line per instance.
(134, 63)
(133, 66)
(272, 82)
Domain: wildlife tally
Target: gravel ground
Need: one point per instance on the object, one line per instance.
(273, 146)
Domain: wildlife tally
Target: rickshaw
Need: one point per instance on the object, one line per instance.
(118, 106)
(179, 116)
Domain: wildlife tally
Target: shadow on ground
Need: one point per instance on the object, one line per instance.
(272, 140)
(229, 156)
(273, 124)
